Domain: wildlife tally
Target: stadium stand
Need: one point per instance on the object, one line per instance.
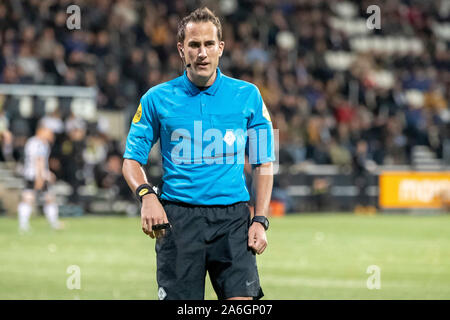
(346, 99)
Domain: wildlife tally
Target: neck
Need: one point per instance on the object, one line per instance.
(201, 81)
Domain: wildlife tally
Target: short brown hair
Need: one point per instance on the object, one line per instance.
(199, 15)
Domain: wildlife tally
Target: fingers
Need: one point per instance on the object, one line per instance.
(259, 246)
(147, 227)
(161, 232)
(251, 237)
(257, 241)
(149, 222)
(162, 220)
(262, 248)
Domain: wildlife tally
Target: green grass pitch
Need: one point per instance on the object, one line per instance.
(321, 256)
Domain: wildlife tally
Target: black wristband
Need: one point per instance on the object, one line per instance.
(144, 189)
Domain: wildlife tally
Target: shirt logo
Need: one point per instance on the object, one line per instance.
(215, 146)
(162, 293)
(229, 138)
(248, 283)
(138, 114)
(265, 112)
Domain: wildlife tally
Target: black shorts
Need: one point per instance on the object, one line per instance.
(29, 185)
(202, 239)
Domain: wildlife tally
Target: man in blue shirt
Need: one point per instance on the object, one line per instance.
(206, 123)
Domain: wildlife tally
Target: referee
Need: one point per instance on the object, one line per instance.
(207, 123)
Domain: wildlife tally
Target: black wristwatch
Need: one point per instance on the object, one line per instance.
(144, 189)
(263, 220)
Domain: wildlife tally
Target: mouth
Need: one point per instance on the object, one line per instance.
(202, 65)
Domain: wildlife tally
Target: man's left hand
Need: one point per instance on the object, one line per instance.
(257, 239)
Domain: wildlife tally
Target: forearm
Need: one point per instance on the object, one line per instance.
(263, 182)
(133, 173)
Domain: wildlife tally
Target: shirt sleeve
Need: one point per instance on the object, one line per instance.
(144, 132)
(260, 146)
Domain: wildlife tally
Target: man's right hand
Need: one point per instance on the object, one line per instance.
(152, 213)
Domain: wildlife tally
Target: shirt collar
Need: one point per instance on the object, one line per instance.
(193, 90)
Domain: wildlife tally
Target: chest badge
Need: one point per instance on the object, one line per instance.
(229, 138)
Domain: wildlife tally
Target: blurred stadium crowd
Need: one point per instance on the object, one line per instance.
(339, 92)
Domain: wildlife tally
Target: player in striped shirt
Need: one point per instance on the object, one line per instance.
(37, 176)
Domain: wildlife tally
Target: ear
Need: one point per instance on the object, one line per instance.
(180, 50)
(221, 47)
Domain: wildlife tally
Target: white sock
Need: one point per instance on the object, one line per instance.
(51, 212)
(24, 211)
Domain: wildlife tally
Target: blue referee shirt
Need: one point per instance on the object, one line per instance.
(204, 137)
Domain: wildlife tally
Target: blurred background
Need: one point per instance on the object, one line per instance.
(349, 102)
(362, 114)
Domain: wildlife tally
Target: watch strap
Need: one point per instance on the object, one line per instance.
(143, 190)
(263, 220)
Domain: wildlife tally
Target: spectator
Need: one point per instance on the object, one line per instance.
(108, 175)
(71, 155)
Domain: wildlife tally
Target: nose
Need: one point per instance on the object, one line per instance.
(202, 52)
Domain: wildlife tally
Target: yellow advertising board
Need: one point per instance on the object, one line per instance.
(407, 189)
